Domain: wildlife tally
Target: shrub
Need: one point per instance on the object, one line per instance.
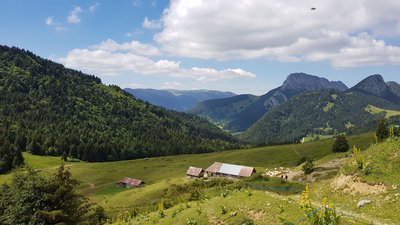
(341, 144)
(308, 166)
(326, 214)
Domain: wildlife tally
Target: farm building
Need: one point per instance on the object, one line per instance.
(194, 172)
(225, 169)
(129, 182)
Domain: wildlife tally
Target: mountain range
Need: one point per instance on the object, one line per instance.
(328, 111)
(178, 100)
(238, 113)
(304, 105)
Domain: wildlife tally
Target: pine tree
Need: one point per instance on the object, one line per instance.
(341, 144)
(382, 130)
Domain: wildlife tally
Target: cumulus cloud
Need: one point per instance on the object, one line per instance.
(112, 58)
(133, 47)
(151, 24)
(337, 31)
(74, 15)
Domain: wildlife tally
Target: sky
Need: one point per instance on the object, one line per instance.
(243, 46)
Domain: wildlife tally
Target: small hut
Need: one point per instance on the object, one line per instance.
(128, 182)
(194, 172)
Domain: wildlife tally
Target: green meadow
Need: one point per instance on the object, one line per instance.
(98, 179)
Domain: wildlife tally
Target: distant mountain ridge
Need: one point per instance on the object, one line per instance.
(328, 112)
(178, 100)
(375, 85)
(246, 113)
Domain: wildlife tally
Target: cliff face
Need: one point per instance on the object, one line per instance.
(394, 87)
(304, 82)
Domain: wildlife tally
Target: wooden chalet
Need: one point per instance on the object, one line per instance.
(128, 182)
(194, 172)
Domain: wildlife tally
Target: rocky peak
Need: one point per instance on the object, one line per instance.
(375, 85)
(302, 82)
(394, 87)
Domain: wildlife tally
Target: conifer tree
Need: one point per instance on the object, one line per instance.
(382, 130)
(341, 144)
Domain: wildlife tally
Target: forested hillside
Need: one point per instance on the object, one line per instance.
(50, 110)
(322, 112)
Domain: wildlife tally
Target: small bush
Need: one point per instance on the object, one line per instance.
(341, 144)
(308, 166)
(301, 160)
(223, 210)
(194, 195)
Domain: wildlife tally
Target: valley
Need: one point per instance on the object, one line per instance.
(228, 112)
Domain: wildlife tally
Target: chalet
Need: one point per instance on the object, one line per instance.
(128, 182)
(194, 172)
(232, 170)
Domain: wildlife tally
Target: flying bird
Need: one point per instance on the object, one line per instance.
(313, 8)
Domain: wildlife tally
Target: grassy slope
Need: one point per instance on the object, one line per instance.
(376, 110)
(267, 208)
(98, 178)
(384, 159)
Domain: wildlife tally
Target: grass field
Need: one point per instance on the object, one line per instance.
(98, 179)
(375, 110)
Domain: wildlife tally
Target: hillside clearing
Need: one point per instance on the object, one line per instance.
(375, 110)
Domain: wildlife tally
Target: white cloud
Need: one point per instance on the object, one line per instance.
(49, 21)
(171, 85)
(151, 24)
(347, 33)
(93, 7)
(133, 47)
(74, 15)
(112, 58)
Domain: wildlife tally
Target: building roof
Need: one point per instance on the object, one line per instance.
(214, 168)
(130, 181)
(231, 169)
(194, 171)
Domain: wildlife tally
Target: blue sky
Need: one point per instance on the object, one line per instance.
(231, 45)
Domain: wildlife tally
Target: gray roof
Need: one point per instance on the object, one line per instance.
(231, 169)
